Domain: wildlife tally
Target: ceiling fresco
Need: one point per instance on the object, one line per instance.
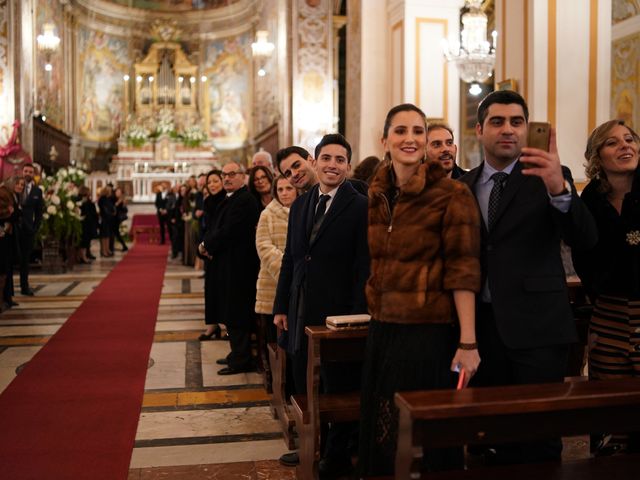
(174, 5)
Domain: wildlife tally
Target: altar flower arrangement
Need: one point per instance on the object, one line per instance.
(165, 124)
(193, 136)
(61, 219)
(136, 135)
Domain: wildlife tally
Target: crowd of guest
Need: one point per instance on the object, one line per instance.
(460, 271)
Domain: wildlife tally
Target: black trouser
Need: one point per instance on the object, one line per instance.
(177, 238)
(26, 248)
(116, 236)
(162, 221)
(338, 377)
(240, 342)
(501, 365)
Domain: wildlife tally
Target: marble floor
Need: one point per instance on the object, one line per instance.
(194, 424)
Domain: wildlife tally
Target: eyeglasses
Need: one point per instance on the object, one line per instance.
(230, 174)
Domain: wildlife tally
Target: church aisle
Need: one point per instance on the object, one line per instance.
(196, 424)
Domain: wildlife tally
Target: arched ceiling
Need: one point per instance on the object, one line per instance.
(173, 6)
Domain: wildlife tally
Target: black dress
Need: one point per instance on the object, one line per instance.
(107, 214)
(89, 222)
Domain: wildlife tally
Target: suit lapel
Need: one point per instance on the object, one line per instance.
(343, 198)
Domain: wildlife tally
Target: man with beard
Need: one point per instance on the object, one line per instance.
(32, 208)
(440, 147)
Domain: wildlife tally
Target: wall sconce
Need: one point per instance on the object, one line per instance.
(48, 42)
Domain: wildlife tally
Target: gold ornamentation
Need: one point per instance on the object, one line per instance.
(165, 30)
(633, 237)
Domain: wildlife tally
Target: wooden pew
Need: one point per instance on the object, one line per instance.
(311, 410)
(280, 408)
(445, 418)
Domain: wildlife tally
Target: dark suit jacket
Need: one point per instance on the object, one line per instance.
(521, 256)
(161, 203)
(231, 241)
(457, 172)
(32, 211)
(326, 277)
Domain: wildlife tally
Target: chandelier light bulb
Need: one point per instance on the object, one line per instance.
(48, 67)
(262, 47)
(139, 78)
(192, 79)
(203, 78)
(475, 89)
(262, 72)
(151, 78)
(125, 78)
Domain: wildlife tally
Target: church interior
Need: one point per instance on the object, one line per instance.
(145, 95)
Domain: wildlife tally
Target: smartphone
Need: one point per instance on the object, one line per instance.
(538, 135)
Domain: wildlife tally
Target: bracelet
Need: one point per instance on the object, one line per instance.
(468, 346)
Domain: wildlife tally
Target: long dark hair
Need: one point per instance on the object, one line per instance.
(252, 177)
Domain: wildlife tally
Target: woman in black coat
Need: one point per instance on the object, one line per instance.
(107, 215)
(6, 258)
(12, 234)
(215, 196)
(121, 215)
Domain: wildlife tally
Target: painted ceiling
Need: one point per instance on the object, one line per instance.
(173, 5)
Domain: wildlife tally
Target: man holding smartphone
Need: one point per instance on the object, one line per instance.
(524, 321)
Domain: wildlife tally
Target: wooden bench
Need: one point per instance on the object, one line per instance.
(280, 408)
(312, 410)
(446, 418)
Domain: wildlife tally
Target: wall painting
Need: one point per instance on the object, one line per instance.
(50, 84)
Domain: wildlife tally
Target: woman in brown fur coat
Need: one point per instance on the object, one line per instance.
(424, 241)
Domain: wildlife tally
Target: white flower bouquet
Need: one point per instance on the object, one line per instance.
(61, 218)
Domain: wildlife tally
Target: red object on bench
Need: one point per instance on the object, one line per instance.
(145, 228)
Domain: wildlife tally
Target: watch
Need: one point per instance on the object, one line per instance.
(565, 190)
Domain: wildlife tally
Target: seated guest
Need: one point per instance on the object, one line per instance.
(89, 223)
(271, 237)
(107, 214)
(324, 269)
(424, 241)
(260, 182)
(215, 194)
(610, 272)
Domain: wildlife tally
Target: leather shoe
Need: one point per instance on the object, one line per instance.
(222, 361)
(290, 459)
(334, 468)
(234, 371)
(28, 292)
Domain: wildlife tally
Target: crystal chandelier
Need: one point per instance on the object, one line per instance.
(474, 56)
(262, 47)
(48, 42)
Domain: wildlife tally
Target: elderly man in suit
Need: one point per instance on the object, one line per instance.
(528, 204)
(32, 208)
(231, 244)
(324, 270)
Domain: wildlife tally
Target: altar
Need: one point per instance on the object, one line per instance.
(164, 139)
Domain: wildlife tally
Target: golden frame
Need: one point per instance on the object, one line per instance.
(508, 84)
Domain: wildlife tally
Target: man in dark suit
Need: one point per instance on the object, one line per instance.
(441, 148)
(231, 244)
(32, 206)
(324, 270)
(161, 211)
(528, 204)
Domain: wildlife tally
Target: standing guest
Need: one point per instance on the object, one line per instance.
(171, 223)
(121, 216)
(6, 258)
(262, 158)
(190, 222)
(230, 243)
(197, 219)
(424, 236)
(178, 219)
(215, 195)
(324, 270)
(610, 272)
(440, 147)
(32, 205)
(528, 204)
(16, 186)
(260, 183)
(366, 169)
(161, 211)
(271, 238)
(107, 213)
(89, 223)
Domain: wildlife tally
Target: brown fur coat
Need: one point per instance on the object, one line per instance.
(429, 247)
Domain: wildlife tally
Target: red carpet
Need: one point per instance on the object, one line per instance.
(73, 411)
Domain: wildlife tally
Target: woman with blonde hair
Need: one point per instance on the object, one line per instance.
(610, 272)
(107, 215)
(271, 238)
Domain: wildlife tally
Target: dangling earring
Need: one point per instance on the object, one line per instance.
(424, 159)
